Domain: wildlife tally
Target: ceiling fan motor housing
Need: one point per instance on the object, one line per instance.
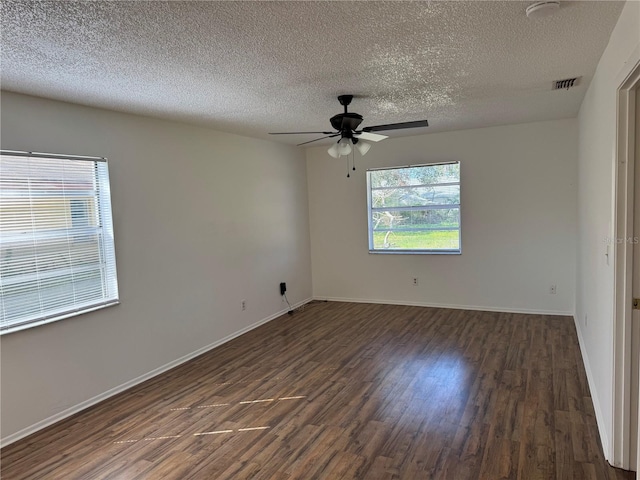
(346, 121)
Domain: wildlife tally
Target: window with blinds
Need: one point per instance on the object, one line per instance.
(414, 209)
(57, 254)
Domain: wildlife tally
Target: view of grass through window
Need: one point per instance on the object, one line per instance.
(415, 209)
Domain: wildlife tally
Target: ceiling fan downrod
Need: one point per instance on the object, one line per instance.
(345, 100)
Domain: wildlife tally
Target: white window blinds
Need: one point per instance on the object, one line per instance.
(56, 238)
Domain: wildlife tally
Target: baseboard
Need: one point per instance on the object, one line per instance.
(596, 403)
(444, 305)
(131, 383)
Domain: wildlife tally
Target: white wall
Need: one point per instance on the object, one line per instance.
(594, 287)
(202, 220)
(518, 222)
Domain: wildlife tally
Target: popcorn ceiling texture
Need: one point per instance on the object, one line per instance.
(258, 67)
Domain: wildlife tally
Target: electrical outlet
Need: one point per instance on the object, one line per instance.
(283, 288)
(243, 305)
(415, 281)
(552, 290)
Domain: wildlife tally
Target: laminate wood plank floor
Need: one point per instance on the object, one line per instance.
(347, 391)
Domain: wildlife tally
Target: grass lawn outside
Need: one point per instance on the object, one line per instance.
(430, 240)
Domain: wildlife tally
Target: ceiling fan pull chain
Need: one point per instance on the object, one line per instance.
(354, 160)
(348, 176)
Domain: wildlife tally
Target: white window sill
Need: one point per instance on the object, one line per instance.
(37, 323)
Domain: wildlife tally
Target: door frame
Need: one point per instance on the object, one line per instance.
(625, 157)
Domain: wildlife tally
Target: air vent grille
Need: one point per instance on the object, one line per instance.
(566, 84)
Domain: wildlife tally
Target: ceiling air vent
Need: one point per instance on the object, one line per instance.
(566, 84)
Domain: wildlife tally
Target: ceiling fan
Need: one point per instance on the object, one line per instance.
(346, 125)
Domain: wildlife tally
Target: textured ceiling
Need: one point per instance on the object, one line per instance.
(258, 67)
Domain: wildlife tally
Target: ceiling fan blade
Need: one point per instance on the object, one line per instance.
(371, 137)
(397, 126)
(321, 138)
(298, 133)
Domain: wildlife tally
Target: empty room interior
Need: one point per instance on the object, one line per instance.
(319, 240)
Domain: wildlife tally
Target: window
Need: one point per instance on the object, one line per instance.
(414, 209)
(56, 238)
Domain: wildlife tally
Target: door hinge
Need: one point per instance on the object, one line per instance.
(636, 303)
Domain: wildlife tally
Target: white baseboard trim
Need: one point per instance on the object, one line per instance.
(444, 305)
(131, 383)
(596, 403)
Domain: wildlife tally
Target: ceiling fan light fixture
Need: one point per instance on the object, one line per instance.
(333, 151)
(363, 147)
(344, 147)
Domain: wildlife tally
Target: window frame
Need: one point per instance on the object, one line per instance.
(370, 231)
(104, 209)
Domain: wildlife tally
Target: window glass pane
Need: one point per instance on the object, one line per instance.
(436, 219)
(431, 240)
(415, 196)
(422, 175)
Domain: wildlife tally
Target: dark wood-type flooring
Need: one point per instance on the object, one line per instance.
(349, 391)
